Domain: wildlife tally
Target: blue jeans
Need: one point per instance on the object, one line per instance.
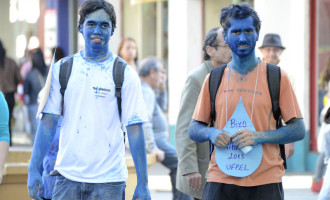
(66, 189)
(171, 162)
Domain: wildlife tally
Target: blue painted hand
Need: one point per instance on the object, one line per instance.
(34, 183)
(243, 138)
(141, 192)
(219, 139)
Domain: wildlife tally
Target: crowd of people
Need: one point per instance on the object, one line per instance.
(79, 135)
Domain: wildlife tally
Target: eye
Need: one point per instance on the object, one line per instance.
(90, 25)
(236, 32)
(248, 31)
(105, 26)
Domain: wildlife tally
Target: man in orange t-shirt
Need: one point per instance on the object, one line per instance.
(245, 77)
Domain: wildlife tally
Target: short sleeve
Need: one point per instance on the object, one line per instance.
(4, 120)
(133, 106)
(202, 111)
(288, 101)
(54, 101)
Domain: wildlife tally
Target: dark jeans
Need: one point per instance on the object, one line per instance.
(10, 98)
(221, 191)
(171, 162)
(66, 189)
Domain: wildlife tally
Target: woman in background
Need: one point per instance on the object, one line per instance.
(33, 83)
(128, 51)
(4, 133)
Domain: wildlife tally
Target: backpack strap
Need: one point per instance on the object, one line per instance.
(274, 83)
(118, 77)
(214, 83)
(65, 72)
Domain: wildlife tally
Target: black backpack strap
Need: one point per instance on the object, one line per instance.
(118, 77)
(65, 72)
(214, 83)
(274, 83)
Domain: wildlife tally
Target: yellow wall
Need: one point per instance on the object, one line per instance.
(212, 12)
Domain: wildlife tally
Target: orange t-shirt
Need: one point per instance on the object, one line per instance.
(271, 167)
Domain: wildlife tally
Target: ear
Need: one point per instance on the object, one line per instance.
(112, 32)
(224, 35)
(80, 29)
(257, 36)
(210, 51)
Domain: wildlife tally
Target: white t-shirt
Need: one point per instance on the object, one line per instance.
(91, 145)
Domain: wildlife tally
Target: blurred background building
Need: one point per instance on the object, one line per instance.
(173, 30)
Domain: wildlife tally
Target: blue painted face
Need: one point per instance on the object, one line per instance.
(241, 36)
(97, 30)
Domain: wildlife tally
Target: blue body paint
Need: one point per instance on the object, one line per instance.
(138, 150)
(97, 30)
(44, 137)
(242, 35)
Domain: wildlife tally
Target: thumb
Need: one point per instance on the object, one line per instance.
(41, 187)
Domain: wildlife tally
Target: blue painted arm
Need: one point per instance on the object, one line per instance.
(293, 131)
(200, 132)
(44, 137)
(138, 150)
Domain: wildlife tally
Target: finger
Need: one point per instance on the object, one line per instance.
(225, 139)
(199, 184)
(236, 137)
(220, 144)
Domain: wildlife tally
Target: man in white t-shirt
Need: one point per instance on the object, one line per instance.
(90, 162)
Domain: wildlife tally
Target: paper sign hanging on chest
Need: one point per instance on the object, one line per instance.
(231, 160)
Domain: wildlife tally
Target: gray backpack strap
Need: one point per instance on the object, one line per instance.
(65, 72)
(118, 77)
(274, 86)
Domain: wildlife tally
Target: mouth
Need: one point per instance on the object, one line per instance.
(243, 46)
(96, 40)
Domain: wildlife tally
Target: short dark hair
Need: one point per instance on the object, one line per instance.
(148, 64)
(210, 40)
(90, 6)
(238, 12)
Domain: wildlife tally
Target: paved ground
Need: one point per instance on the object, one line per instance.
(296, 186)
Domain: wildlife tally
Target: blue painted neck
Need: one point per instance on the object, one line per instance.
(96, 54)
(244, 65)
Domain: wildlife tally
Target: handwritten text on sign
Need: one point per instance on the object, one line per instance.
(231, 160)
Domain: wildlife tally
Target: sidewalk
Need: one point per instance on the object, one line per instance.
(296, 186)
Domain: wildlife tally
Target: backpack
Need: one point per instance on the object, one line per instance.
(118, 77)
(273, 78)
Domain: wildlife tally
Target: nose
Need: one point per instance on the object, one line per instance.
(242, 37)
(97, 30)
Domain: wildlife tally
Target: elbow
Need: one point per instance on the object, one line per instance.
(192, 130)
(301, 131)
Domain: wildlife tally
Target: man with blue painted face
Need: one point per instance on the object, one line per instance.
(90, 162)
(244, 89)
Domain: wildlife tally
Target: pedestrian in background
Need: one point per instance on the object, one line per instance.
(271, 50)
(129, 52)
(33, 83)
(9, 79)
(321, 165)
(193, 156)
(4, 133)
(153, 78)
